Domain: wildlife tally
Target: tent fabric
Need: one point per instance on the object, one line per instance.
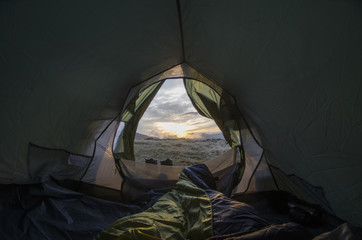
(167, 218)
(207, 97)
(217, 105)
(66, 68)
(58, 213)
(102, 170)
(123, 147)
(293, 68)
(187, 212)
(46, 163)
(48, 211)
(141, 181)
(194, 210)
(342, 232)
(210, 100)
(274, 232)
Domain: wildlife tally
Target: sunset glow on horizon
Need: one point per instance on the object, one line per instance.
(172, 115)
(178, 130)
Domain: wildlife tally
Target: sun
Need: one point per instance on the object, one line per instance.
(179, 130)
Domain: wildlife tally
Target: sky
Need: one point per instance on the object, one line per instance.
(172, 115)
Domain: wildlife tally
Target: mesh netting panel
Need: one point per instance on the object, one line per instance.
(262, 179)
(257, 176)
(223, 161)
(102, 170)
(44, 163)
(143, 178)
(142, 170)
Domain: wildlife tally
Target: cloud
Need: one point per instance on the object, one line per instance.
(171, 99)
(172, 114)
(166, 109)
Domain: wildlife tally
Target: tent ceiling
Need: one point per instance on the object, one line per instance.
(69, 65)
(295, 70)
(293, 66)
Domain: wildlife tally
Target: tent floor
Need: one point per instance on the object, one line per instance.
(272, 206)
(50, 211)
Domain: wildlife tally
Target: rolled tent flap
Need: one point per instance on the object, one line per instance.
(131, 116)
(208, 98)
(214, 103)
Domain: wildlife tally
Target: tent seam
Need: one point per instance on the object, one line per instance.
(181, 29)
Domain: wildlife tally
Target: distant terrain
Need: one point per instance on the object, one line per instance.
(140, 136)
(182, 151)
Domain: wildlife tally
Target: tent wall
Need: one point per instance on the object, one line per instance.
(293, 66)
(256, 176)
(44, 163)
(66, 67)
(296, 68)
(102, 170)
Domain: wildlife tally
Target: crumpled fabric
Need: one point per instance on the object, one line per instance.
(183, 213)
(48, 211)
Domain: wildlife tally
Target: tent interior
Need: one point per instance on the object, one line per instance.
(281, 79)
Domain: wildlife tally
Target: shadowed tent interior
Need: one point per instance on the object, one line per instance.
(281, 79)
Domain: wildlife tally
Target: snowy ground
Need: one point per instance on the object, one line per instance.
(182, 151)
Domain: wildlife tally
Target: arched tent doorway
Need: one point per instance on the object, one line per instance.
(209, 100)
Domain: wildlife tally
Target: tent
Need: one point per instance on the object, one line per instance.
(293, 69)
